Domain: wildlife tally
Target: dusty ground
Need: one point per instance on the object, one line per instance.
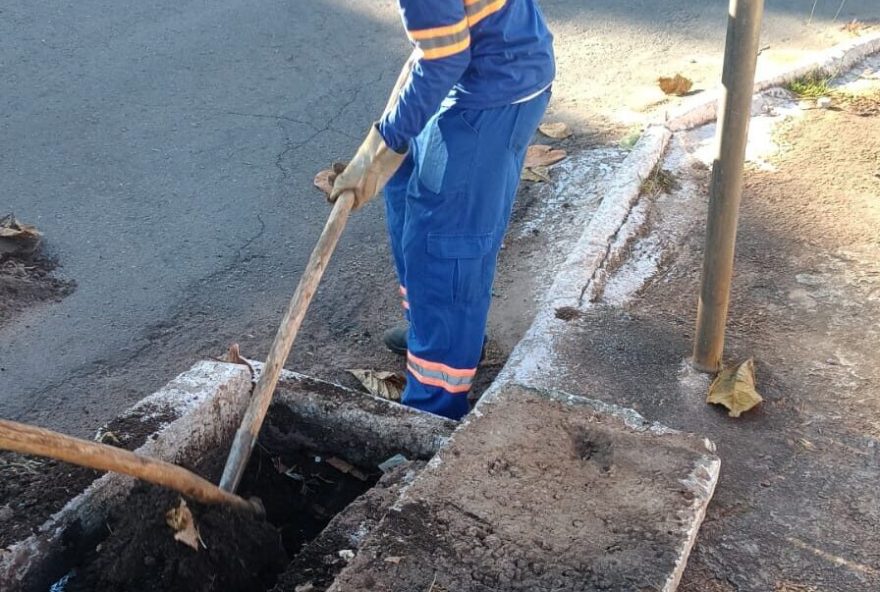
(797, 505)
(25, 282)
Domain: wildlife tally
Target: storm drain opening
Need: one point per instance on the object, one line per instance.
(215, 548)
(329, 464)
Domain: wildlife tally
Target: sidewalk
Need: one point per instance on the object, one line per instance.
(796, 508)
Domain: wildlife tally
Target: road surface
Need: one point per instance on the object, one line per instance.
(166, 150)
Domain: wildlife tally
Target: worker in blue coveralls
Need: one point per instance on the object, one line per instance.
(448, 151)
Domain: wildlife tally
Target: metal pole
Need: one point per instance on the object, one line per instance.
(738, 79)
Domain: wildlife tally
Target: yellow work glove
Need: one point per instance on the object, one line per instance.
(368, 172)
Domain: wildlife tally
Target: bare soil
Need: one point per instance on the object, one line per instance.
(33, 489)
(796, 508)
(300, 491)
(25, 282)
(242, 553)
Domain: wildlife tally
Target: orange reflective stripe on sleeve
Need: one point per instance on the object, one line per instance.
(441, 42)
(477, 10)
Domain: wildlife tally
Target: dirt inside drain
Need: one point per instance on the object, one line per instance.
(302, 490)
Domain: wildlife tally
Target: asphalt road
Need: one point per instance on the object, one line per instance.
(166, 150)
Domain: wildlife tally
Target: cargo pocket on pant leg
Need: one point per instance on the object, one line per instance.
(469, 272)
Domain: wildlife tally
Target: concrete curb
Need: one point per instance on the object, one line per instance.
(207, 401)
(582, 273)
(830, 62)
(584, 265)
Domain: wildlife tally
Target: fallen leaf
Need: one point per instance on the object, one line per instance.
(543, 155)
(346, 467)
(233, 356)
(807, 444)
(735, 388)
(538, 174)
(107, 437)
(388, 385)
(181, 520)
(678, 85)
(307, 587)
(394, 560)
(17, 237)
(557, 130)
(279, 465)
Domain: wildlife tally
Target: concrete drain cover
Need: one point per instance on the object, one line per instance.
(545, 492)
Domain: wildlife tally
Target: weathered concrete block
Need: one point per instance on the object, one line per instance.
(545, 491)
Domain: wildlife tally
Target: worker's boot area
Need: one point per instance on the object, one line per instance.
(535, 491)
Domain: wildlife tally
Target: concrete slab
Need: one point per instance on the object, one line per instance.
(545, 491)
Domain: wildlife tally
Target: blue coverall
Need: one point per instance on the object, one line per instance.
(466, 114)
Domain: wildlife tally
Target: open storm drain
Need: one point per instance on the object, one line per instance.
(329, 465)
(302, 491)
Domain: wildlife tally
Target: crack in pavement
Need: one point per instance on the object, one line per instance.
(289, 147)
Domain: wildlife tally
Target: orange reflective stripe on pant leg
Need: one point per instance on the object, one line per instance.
(443, 368)
(438, 382)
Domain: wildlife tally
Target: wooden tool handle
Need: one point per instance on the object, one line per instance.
(26, 439)
(246, 436)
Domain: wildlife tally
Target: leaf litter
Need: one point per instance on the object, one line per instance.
(677, 85)
(539, 159)
(387, 385)
(18, 238)
(181, 520)
(734, 388)
(557, 130)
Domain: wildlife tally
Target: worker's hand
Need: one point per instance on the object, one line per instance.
(368, 172)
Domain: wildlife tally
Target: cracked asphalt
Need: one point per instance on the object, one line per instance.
(166, 150)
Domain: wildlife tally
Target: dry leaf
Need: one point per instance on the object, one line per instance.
(537, 174)
(346, 467)
(557, 131)
(807, 444)
(735, 388)
(307, 587)
(181, 520)
(394, 560)
(679, 85)
(233, 356)
(107, 437)
(17, 237)
(543, 155)
(279, 465)
(388, 385)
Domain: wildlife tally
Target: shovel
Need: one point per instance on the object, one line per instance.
(246, 436)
